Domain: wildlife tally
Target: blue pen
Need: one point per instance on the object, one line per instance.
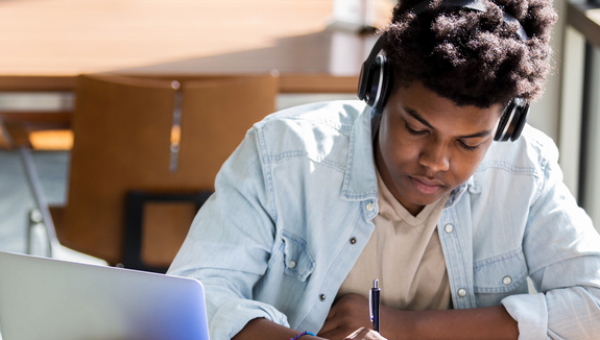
(374, 304)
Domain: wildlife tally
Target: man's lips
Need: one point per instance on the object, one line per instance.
(426, 186)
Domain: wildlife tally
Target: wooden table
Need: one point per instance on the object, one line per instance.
(46, 43)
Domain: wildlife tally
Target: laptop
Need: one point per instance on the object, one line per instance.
(45, 299)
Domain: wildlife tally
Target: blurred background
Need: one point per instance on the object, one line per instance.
(311, 50)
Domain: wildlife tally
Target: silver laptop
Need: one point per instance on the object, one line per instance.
(44, 299)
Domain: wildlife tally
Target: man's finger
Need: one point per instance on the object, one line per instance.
(330, 325)
(358, 334)
(331, 313)
(364, 334)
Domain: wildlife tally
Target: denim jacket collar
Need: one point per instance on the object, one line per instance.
(360, 180)
(471, 184)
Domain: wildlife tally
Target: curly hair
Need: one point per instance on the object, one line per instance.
(472, 57)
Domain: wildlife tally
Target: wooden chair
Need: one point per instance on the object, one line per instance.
(35, 130)
(144, 158)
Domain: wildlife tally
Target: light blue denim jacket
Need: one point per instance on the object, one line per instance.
(274, 241)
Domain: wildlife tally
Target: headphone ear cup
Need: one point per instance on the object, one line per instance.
(375, 81)
(363, 80)
(520, 120)
(512, 121)
(500, 130)
(369, 81)
(387, 84)
(368, 71)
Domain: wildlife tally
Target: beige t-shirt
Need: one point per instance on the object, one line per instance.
(405, 254)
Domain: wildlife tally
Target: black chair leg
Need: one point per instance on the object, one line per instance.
(132, 252)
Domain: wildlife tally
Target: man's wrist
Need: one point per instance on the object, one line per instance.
(303, 334)
(398, 324)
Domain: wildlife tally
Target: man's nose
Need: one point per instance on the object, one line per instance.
(435, 156)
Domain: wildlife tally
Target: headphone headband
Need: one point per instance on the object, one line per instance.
(476, 5)
(472, 4)
(365, 73)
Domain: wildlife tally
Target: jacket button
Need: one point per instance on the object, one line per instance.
(462, 292)
(370, 206)
(322, 297)
(449, 228)
(507, 280)
(353, 240)
(292, 264)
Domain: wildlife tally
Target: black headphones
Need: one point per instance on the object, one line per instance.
(376, 78)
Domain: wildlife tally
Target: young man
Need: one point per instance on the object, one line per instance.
(412, 189)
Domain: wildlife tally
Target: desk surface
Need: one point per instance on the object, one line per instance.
(46, 43)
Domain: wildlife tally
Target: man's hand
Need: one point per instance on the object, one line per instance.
(349, 319)
(364, 334)
(261, 329)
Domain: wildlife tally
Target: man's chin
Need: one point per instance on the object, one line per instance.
(424, 200)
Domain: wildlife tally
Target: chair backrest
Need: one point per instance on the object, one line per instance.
(157, 136)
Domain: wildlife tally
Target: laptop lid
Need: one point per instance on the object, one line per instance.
(45, 299)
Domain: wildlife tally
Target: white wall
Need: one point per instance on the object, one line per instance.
(545, 112)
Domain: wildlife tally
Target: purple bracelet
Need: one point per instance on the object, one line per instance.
(302, 334)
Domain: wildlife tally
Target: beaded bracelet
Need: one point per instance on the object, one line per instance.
(302, 334)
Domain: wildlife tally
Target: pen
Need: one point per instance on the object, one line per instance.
(374, 304)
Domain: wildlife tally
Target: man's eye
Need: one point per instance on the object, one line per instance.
(413, 131)
(468, 147)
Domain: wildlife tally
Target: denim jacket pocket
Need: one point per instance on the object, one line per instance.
(501, 274)
(297, 259)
